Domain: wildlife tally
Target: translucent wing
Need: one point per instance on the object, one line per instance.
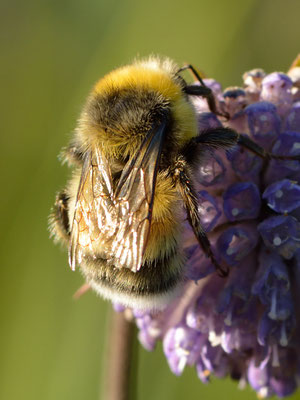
(114, 223)
(93, 214)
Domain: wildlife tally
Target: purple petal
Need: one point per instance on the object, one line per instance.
(258, 377)
(272, 277)
(252, 82)
(276, 88)
(241, 201)
(180, 346)
(198, 265)
(292, 120)
(207, 120)
(212, 171)
(282, 234)
(210, 210)
(270, 330)
(287, 144)
(202, 372)
(245, 164)
(283, 387)
(236, 242)
(264, 122)
(234, 100)
(283, 196)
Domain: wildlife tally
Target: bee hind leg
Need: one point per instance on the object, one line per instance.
(225, 138)
(252, 146)
(190, 200)
(59, 220)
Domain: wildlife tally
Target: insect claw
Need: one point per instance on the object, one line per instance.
(223, 273)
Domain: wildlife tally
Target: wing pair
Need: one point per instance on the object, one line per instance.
(114, 223)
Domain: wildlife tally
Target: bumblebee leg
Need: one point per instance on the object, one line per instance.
(190, 200)
(207, 93)
(226, 138)
(202, 91)
(59, 220)
(250, 145)
(194, 72)
(219, 138)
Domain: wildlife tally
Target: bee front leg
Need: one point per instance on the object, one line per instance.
(59, 220)
(207, 93)
(203, 91)
(189, 196)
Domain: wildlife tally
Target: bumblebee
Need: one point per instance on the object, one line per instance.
(134, 153)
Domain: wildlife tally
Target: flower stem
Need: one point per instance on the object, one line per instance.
(121, 362)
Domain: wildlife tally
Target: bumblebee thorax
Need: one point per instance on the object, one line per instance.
(126, 103)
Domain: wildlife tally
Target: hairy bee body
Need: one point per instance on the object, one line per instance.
(162, 273)
(122, 211)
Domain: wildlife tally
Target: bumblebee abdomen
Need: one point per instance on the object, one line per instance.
(152, 286)
(161, 274)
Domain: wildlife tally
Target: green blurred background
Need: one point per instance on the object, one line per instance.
(52, 52)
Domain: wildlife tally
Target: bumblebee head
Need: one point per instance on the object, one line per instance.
(125, 104)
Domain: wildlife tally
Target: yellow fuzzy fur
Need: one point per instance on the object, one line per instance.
(139, 76)
(149, 75)
(166, 219)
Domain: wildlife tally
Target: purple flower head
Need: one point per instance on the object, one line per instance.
(272, 331)
(292, 120)
(216, 169)
(241, 201)
(198, 265)
(272, 279)
(150, 330)
(252, 81)
(202, 314)
(200, 103)
(181, 346)
(264, 122)
(235, 297)
(246, 165)
(234, 101)
(207, 120)
(287, 144)
(282, 234)
(212, 359)
(212, 172)
(236, 242)
(283, 196)
(210, 209)
(247, 325)
(214, 85)
(276, 88)
(258, 378)
(118, 307)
